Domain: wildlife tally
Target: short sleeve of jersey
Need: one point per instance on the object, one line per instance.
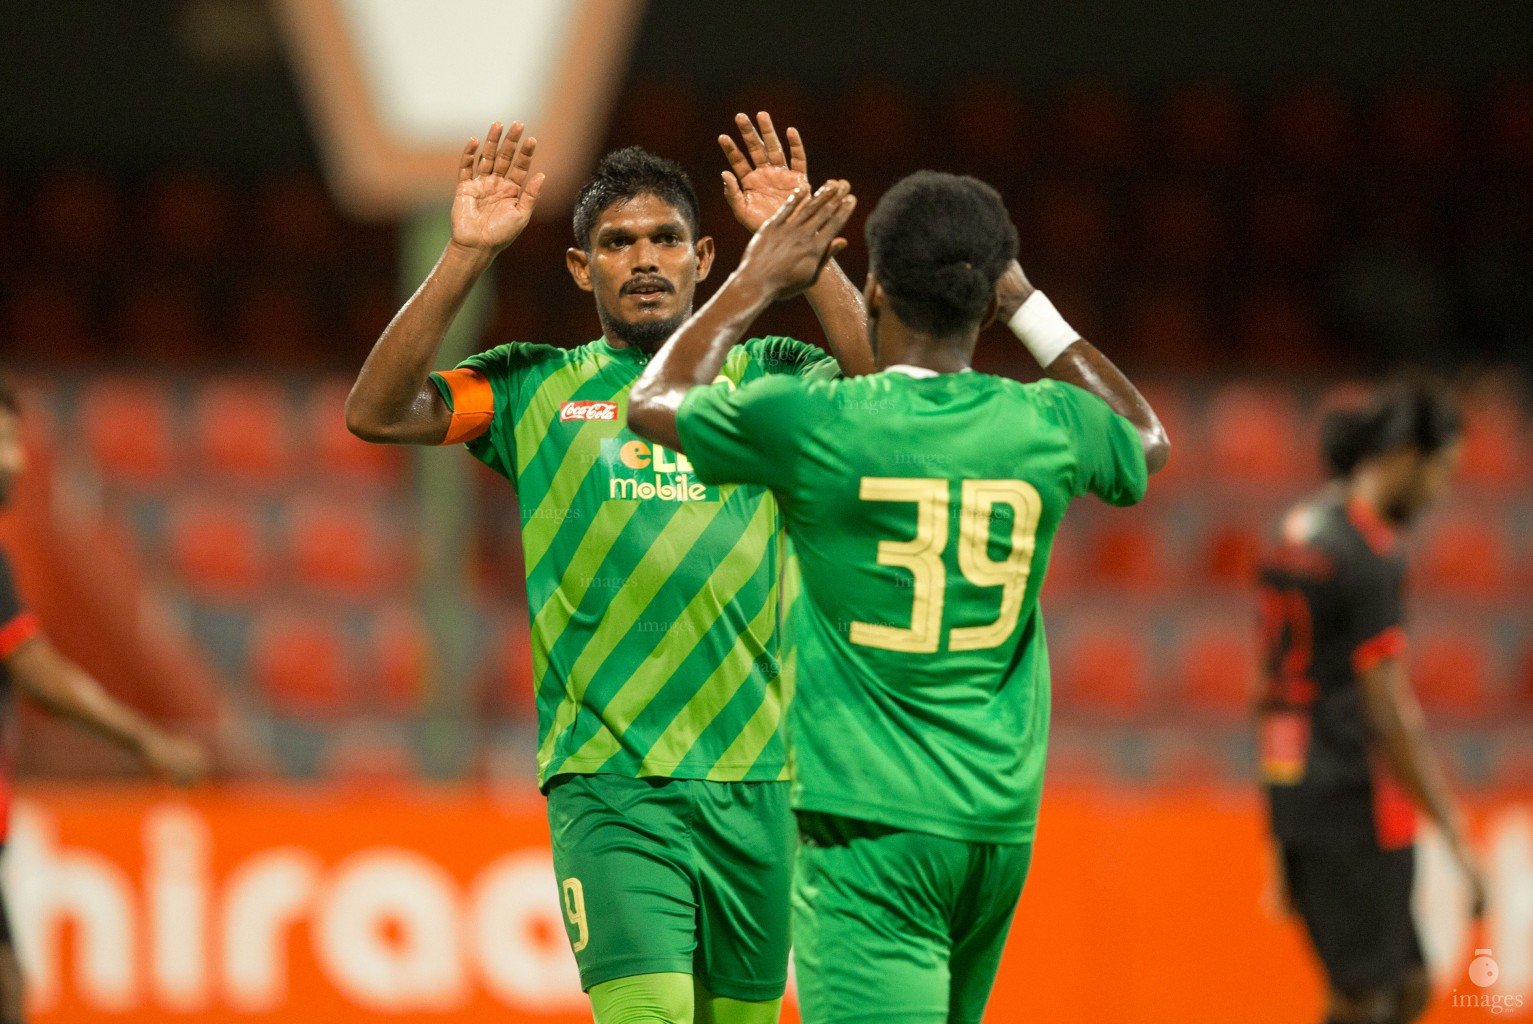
(1370, 591)
(17, 625)
(484, 394)
(747, 435)
(793, 357)
(1109, 456)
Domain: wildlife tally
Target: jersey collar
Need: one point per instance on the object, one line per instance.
(920, 372)
(628, 353)
(1379, 535)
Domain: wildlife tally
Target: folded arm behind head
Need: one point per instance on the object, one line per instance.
(1087, 368)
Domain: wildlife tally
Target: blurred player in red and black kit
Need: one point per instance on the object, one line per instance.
(1343, 747)
(30, 665)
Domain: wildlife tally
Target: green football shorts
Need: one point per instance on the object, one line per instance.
(662, 875)
(899, 927)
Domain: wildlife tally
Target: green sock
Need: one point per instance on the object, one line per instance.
(643, 999)
(712, 1009)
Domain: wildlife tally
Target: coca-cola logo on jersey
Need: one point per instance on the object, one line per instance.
(588, 411)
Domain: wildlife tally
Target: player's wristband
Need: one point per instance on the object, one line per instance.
(1040, 327)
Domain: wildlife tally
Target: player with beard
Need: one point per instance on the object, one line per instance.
(653, 597)
(31, 666)
(1344, 751)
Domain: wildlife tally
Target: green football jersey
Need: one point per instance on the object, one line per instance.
(653, 597)
(922, 511)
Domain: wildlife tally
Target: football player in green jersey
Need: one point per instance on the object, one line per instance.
(922, 502)
(653, 597)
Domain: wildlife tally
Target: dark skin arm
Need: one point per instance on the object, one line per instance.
(1085, 367)
(60, 686)
(393, 400)
(1399, 728)
(784, 258)
(756, 186)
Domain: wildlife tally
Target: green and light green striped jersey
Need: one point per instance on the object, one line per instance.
(921, 510)
(653, 597)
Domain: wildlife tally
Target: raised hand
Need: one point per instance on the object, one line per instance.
(756, 187)
(793, 246)
(1011, 290)
(495, 196)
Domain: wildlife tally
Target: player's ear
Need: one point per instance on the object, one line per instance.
(704, 250)
(872, 293)
(579, 263)
(991, 311)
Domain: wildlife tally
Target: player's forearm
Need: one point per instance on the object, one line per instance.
(838, 304)
(1084, 366)
(1400, 730)
(63, 688)
(393, 400)
(692, 357)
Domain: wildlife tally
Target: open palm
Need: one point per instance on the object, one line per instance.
(757, 186)
(495, 195)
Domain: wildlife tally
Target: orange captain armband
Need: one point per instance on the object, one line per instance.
(473, 404)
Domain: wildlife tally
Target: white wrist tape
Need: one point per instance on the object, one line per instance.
(1040, 327)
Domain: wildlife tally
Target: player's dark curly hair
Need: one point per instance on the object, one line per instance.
(938, 243)
(1417, 414)
(626, 173)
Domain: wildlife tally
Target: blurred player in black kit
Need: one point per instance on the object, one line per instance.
(30, 665)
(1343, 746)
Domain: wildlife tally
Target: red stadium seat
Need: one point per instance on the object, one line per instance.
(877, 123)
(1449, 671)
(1253, 434)
(75, 214)
(1131, 557)
(1310, 126)
(1463, 555)
(1280, 330)
(301, 663)
(1168, 328)
(1492, 444)
(337, 454)
(1181, 225)
(217, 548)
(1095, 126)
(188, 215)
(1415, 125)
(510, 667)
(988, 127)
(362, 759)
(1509, 123)
(299, 224)
(273, 323)
(1204, 126)
(401, 658)
(1231, 555)
(161, 321)
(1186, 460)
(242, 430)
(1104, 673)
(1065, 570)
(48, 319)
(1218, 671)
(337, 548)
(1071, 221)
(1288, 225)
(129, 430)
